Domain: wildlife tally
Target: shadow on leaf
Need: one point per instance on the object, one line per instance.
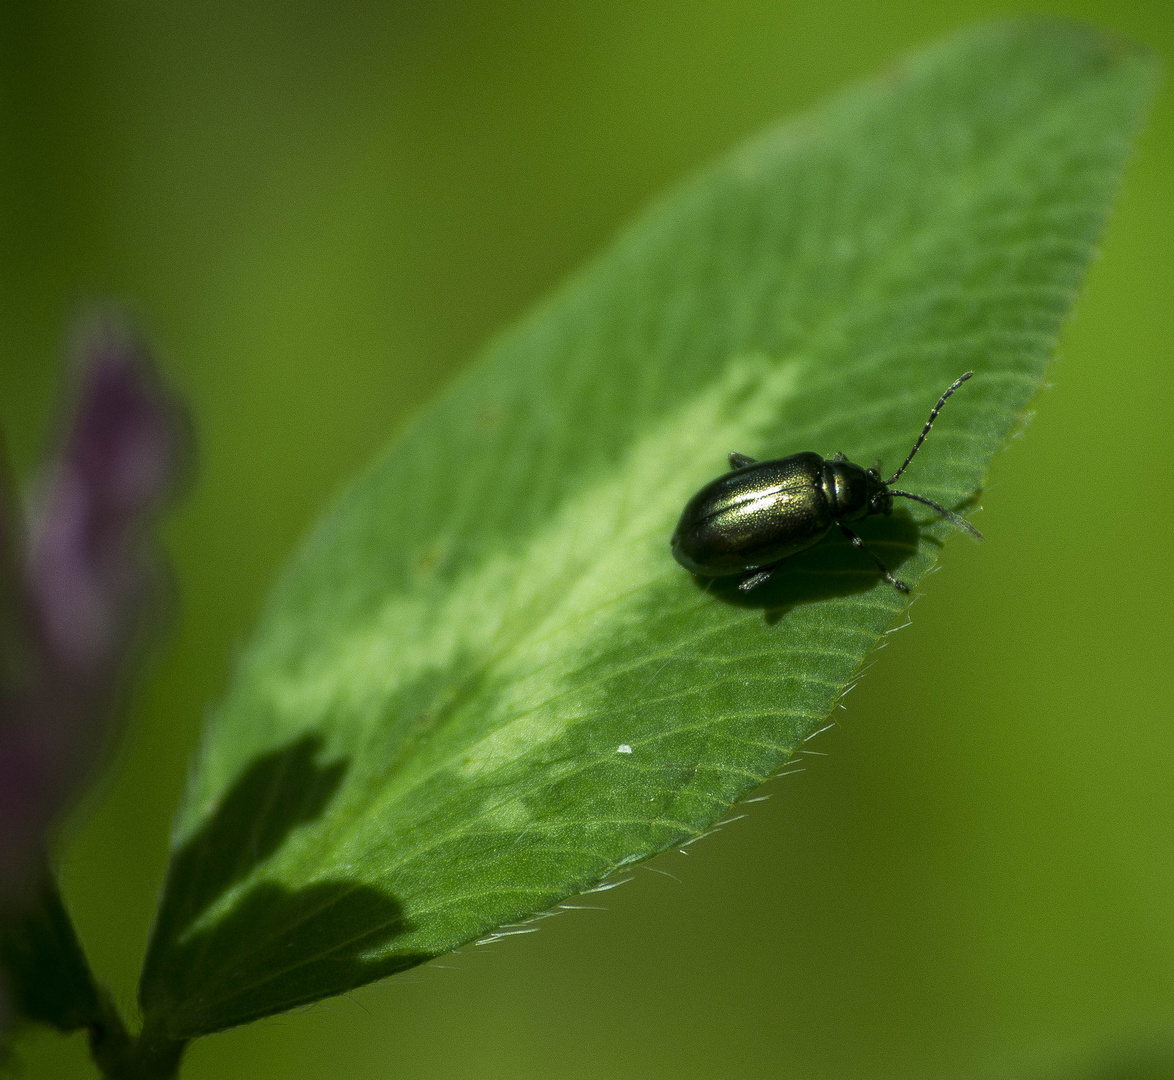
(272, 947)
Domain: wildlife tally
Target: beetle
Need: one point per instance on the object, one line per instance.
(762, 512)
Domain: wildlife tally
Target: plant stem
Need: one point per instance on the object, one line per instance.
(121, 1056)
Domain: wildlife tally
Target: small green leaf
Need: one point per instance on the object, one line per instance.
(484, 685)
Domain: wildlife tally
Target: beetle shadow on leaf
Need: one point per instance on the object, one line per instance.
(829, 569)
(272, 947)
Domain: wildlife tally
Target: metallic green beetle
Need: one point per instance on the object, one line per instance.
(754, 517)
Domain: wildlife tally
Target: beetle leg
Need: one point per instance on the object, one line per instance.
(740, 461)
(900, 586)
(839, 457)
(754, 580)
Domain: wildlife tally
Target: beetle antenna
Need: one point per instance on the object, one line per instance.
(928, 424)
(954, 519)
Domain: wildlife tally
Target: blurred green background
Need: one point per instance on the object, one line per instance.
(319, 210)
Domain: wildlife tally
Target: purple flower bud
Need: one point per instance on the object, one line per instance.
(81, 590)
(87, 572)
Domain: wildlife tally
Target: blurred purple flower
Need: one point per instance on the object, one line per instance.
(76, 582)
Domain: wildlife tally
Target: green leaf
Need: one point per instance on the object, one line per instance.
(484, 685)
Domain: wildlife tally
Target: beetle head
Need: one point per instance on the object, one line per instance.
(880, 499)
